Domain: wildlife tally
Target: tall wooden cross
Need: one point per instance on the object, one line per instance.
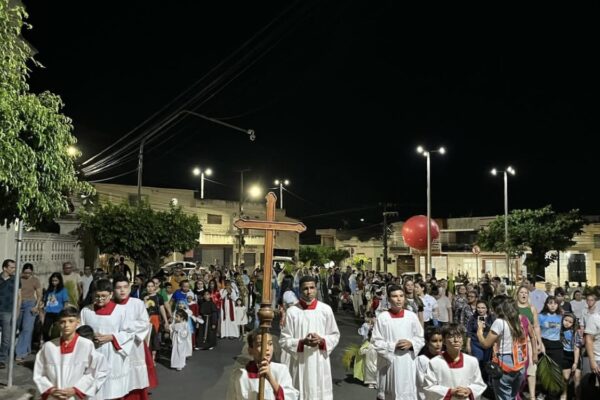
(265, 314)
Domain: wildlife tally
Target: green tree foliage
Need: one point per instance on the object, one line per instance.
(37, 175)
(140, 233)
(540, 231)
(319, 255)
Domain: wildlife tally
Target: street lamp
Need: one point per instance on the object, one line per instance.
(281, 183)
(508, 170)
(197, 171)
(427, 154)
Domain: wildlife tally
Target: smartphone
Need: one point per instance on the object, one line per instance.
(481, 318)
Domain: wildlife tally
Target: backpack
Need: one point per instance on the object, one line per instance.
(518, 352)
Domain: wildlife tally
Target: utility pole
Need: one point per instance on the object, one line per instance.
(241, 212)
(385, 235)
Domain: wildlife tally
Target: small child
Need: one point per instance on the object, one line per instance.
(433, 347)
(367, 326)
(244, 380)
(191, 322)
(369, 364)
(454, 375)
(572, 343)
(180, 338)
(67, 367)
(241, 317)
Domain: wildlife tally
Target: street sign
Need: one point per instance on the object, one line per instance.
(476, 249)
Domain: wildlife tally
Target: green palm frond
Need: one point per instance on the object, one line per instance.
(349, 354)
(550, 375)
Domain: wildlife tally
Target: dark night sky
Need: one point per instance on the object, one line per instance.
(341, 101)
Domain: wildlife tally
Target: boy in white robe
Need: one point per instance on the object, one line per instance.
(66, 367)
(229, 327)
(244, 381)
(433, 347)
(310, 334)
(454, 375)
(398, 338)
(137, 323)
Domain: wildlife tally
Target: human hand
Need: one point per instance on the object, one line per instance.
(594, 367)
(463, 392)
(403, 344)
(35, 311)
(480, 325)
(102, 339)
(264, 369)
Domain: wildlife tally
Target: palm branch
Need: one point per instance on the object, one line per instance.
(349, 354)
(550, 375)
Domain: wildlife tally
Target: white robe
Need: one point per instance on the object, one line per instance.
(311, 366)
(422, 362)
(441, 377)
(81, 369)
(137, 323)
(242, 386)
(181, 345)
(241, 316)
(369, 364)
(397, 370)
(229, 327)
(118, 361)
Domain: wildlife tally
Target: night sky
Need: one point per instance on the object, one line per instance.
(339, 102)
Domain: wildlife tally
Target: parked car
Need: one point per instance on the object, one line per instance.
(186, 266)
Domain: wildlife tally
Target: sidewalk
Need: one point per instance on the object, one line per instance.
(23, 387)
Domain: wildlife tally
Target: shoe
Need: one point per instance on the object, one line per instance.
(210, 348)
(20, 361)
(371, 386)
(196, 348)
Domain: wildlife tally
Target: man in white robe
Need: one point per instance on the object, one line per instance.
(137, 322)
(398, 338)
(454, 375)
(310, 334)
(114, 342)
(66, 367)
(229, 327)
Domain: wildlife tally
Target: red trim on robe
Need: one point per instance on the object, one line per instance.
(115, 343)
(399, 314)
(307, 306)
(451, 363)
(279, 395)
(448, 395)
(252, 370)
(323, 345)
(67, 348)
(46, 394)
(152, 376)
(79, 393)
(105, 310)
(137, 394)
(124, 301)
(231, 310)
(300, 348)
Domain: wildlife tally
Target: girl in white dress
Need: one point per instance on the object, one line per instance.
(179, 336)
(241, 317)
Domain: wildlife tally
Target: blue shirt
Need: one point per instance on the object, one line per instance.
(7, 287)
(55, 301)
(550, 326)
(569, 343)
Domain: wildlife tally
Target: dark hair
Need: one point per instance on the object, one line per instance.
(28, 266)
(573, 329)
(559, 291)
(453, 329)
(431, 331)
(307, 278)
(119, 278)
(60, 285)
(68, 312)
(168, 284)
(422, 285)
(393, 288)
(507, 311)
(104, 285)
(86, 331)
(546, 310)
(181, 314)
(251, 337)
(6, 262)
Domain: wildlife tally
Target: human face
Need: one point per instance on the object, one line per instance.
(523, 296)
(435, 344)
(150, 287)
(67, 269)
(418, 289)
(156, 282)
(396, 299)
(568, 322)
(10, 269)
(122, 290)
(552, 306)
(578, 296)
(206, 296)
(462, 290)
(409, 287)
(481, 309)
(169, 289)
(471, 298)
(559, 298)
(87, 270)
(26, 274)
(257, 348)
(590, 300)
(308, 291)
(55, 282)
(454, 342)
(102, 298)
(68, 326)
(185, 287)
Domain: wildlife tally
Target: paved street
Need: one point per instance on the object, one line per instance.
(206, 374)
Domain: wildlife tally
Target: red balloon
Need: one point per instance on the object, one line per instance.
(414, 232)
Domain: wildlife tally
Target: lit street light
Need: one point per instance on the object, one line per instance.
(508, 170)
(427, 154)
(73, 151)
(197, 171)
(281, 183)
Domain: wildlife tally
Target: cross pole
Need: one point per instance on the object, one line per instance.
(265, 314)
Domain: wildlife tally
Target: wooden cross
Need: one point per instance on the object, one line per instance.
(265, 314)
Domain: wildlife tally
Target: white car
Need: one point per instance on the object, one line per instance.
(186, 266)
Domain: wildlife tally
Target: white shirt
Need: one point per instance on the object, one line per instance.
(578, 307)
(86, 281)
(443, 304)
(593, 328)
(500, 327)
(429, 304)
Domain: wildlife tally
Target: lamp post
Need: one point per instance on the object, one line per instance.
(197, 171)
(508, 170)
(280, 183)
(427, 154)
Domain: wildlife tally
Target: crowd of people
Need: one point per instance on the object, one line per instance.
(423, 338)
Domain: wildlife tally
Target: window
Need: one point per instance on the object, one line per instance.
(214, 219)
(597, 241)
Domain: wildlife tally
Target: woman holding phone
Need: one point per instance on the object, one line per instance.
(473, 346)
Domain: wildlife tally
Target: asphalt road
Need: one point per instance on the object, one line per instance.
(206, 374)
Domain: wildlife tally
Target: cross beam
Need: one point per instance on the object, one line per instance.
(265, 314)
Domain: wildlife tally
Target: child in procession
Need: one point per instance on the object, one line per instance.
(572, 344)
(433, 347)
(241, 316)
(180, 338)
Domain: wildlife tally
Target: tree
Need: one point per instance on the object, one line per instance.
(140, 233)
(320, 255)
(37, 171)
(539, 231)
